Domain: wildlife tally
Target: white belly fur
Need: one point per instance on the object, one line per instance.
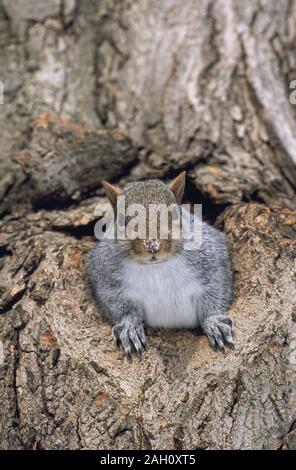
(167, 293)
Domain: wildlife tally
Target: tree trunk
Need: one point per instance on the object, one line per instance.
(201, 85)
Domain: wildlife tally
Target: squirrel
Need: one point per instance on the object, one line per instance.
(157, 282)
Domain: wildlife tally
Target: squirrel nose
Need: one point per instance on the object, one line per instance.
(152, 245)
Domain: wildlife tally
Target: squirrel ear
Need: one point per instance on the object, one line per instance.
(112, 192)
(177, 186)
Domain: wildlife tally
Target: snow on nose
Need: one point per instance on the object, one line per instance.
(152, 245)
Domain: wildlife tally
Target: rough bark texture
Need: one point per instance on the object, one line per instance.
(105, 89)
(62, 163)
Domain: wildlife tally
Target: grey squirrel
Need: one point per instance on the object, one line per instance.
(157, 282)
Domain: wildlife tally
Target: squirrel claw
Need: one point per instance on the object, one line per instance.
(219, 332)
(130, 336)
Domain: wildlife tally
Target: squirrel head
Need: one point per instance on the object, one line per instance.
(148, 193)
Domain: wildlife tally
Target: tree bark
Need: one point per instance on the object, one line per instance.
(65, 385)
(126, 90)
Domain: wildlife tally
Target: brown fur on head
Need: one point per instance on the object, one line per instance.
(146, 193)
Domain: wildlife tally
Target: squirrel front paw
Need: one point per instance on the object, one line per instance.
(219, 330)
(131, 335)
